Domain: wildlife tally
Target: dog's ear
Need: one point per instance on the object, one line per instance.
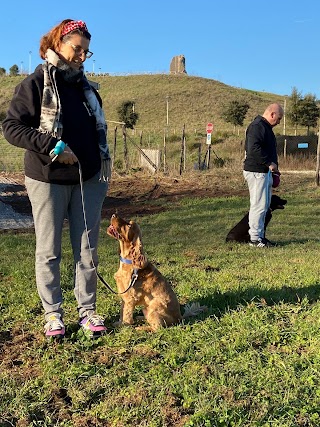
(139, 260)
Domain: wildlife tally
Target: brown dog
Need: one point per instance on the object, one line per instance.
(150, 289)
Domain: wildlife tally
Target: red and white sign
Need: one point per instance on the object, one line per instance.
(209, 127)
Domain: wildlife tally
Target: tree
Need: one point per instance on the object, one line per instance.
(14, 70)
(303, 111)
(2, 71)
(127, 114)
(235, 112)
(309, 112)
(294, 110)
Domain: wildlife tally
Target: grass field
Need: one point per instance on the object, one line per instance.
(251, 360)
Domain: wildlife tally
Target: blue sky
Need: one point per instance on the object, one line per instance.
(264, 46)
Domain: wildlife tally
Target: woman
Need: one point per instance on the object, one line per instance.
(57, 117)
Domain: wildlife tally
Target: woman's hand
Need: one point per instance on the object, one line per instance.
(67, 157)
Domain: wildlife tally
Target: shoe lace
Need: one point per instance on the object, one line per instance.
(96, 320)
(54, 325)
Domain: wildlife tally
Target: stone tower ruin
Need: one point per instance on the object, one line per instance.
(178, 65)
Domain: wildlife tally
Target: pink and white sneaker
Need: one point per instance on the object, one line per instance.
(54, 328)
(93, 324)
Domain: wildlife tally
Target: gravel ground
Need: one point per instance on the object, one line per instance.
(10, 218)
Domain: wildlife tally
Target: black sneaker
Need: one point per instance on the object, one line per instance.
(269, 243)
(262, 243)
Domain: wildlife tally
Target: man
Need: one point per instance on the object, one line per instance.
(260, 161)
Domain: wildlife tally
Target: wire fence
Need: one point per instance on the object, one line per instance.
(167, 150)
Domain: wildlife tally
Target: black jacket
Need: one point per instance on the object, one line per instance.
(260, 146)
(79, 131)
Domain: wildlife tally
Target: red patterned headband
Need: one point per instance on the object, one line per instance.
(74, 25)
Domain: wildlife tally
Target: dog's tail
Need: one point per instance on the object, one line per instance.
(193, 309)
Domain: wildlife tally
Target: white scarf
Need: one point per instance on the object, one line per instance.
(51, 113)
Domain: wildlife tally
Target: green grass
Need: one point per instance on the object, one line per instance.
(11, 157)
(252, 360)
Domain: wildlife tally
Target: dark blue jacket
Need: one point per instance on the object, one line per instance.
(260, 146)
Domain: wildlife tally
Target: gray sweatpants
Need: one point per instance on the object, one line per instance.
(260, 189)
(51, 204)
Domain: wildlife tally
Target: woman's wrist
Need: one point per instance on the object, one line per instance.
(58, 149)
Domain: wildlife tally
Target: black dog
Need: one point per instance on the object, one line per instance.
(240, 232)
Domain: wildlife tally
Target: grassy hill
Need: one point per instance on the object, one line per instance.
(192, 100)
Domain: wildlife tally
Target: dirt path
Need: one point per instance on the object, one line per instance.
(134, 195)
(129, 195)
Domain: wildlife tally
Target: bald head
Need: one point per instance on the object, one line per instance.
(273, 114)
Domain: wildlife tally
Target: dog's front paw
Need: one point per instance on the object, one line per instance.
(117, 324)
(120, 323)
(144, 328)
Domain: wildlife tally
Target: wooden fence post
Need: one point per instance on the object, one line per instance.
(164, 150)
(184, 152)
(183, 142)
(114, 146)
(208, 156)
(125, 148)
(318, 158)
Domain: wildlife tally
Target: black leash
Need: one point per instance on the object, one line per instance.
(133, 280)
(134, 275)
